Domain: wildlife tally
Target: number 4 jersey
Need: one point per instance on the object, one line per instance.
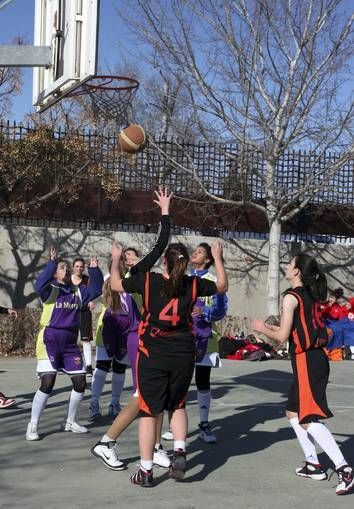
(163, 317)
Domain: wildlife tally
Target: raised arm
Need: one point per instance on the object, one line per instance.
(221, 276)
(43, 283)
(163, 200)
(116, 280)
(94, 288)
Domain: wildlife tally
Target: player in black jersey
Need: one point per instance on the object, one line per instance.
(302, 324)
(166, 347)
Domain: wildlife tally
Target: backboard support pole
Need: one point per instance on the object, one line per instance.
(25, 56)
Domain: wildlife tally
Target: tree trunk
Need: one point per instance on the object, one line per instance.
(273, 285)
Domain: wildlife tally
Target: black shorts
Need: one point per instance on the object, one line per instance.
(307, 395)
(163, 380)
(86, 325)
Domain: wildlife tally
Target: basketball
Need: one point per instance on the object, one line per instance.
(132, 138)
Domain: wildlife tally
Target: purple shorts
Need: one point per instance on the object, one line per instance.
(62, 350)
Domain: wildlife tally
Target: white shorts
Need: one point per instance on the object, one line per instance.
(45, 366)
(101, 355)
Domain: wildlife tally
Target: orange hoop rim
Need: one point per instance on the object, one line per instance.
(90, 86)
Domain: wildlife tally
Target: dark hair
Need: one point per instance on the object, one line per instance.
(207, 248)
(312, 278)
(131, 249)
(338, 293)
(79, 260)
(177, 258)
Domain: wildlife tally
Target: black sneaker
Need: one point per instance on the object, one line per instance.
(143, 478)
(345, 480)
(178, 465)
(311, 470)
(89, 370)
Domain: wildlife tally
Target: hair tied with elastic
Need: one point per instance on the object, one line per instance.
(180, 256)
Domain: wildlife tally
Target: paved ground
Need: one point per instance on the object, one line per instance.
(251, 466)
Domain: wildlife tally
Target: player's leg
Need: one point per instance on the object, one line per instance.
(86, 338)
(153, 389)
(39, 402)
(202, 380)
(48, 347)
(118, 377)
(181, 374)
(105, 448)
(103, 365)
(160, 457)
(74, 367)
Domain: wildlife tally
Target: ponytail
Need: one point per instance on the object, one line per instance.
(312, 278)
(111, 299)
(177, 258)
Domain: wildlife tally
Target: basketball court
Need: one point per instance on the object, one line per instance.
(252, 465)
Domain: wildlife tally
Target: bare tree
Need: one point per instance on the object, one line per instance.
(269, 74)
(10, 85)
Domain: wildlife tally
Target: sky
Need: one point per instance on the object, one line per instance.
(17, 19)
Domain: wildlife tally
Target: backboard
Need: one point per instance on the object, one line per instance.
(70, 28)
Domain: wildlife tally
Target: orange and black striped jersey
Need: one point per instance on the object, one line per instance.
(163, 316)
(308, 330)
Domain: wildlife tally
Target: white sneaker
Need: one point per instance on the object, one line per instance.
(114, 409)
(94, 411)
(206, 434)
(31, 433)
(75, 427)
(167, 435)
(107, 452)
(161, 458)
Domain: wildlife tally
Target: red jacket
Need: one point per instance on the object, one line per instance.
(332, 311)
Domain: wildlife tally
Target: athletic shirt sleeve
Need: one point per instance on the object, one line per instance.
(205, 287)
(149, 260)
(134, 284)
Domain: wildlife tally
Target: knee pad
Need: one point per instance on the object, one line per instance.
(47, 382)
(118, 367)
(202, 378)
(104, 365)
(79, 383)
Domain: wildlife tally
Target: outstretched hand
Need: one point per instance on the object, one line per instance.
(53, 254)
(217, 250)
(163, 200)
(93, 262)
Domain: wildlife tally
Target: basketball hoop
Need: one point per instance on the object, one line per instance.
(111, 97)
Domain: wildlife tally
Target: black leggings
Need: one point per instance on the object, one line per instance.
(202, 377)
(48, 381)
(117, 367)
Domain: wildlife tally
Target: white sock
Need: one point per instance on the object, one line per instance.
(146, 464)
(204, 399)
(74, 402)
(157, 446)
(325, 439)
(117, 386)
(97, 384)
(106, 439)
(179, 444)
(306, 441)
(38, 405)
(87, 350)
